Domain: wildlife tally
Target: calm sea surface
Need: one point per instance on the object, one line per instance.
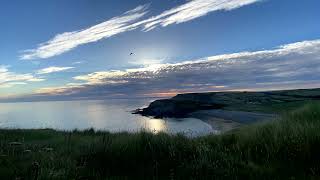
(109, 115)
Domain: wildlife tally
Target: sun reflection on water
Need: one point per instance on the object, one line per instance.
(156, 125)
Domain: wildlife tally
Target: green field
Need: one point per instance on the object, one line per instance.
(286, 148)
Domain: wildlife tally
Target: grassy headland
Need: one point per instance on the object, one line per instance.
(286, 148)
(267, 102)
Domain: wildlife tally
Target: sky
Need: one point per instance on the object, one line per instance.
(153, 48)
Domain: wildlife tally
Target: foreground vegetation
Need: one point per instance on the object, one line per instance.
(286, 148)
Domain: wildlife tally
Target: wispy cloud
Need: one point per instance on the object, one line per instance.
(11, 84)
(79, 62)
(9, 79)
(66, 90)
(292, 65)
(36, 80)
(192, 10)
(129, 21)
(100, 77)
(66, 41)
(147, 62)
(53, 69)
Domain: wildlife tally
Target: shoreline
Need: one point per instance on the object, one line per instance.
(224, 120)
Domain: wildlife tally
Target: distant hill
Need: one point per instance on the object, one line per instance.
(268, 102)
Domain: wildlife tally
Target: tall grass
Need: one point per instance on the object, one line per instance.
(286, 148)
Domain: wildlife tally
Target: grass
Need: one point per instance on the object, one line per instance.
(286, 148)
(276, 108)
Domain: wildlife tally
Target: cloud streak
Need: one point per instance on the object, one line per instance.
(53, 69)
(128, 21)
(9, 79)
(295, 65)
(69, 40)
(192, 10)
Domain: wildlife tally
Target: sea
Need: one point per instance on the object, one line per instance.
(113, 115)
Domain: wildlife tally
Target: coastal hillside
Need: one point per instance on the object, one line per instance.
(286, 148)
(266, 102)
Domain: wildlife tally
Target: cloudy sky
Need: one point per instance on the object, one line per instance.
(142, 48)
